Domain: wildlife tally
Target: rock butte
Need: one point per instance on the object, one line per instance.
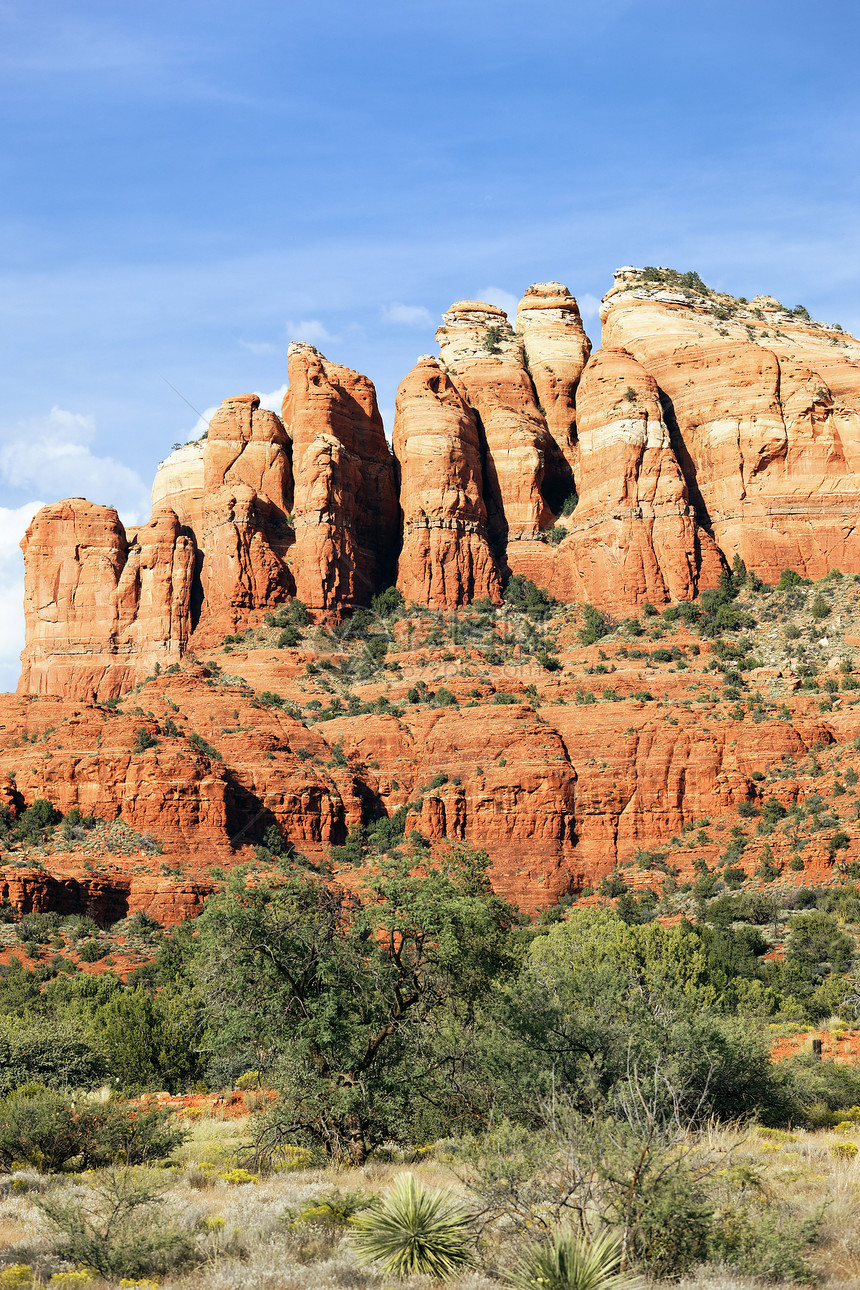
(703, 429)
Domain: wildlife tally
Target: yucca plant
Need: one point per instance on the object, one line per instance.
(414, 1229)
(571, 1262)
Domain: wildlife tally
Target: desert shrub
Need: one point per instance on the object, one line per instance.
(120, 1228)
(92, 951)
(595, 626)
(764, 1243)
(819, 607)
(143, 740)
(414, 1230)
(45, 1129)
(56, 1053)
(571, 1262)
(289, 637)
(525, 595)
(203, 746)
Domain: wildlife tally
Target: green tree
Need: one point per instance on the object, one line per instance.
(354, 1006)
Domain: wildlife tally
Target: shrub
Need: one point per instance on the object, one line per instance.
(819, 607)
(388, 603)
(570, 1262)
(595, 626)
(46, 1130)
(143, 740)
(120, 1230)
(414, 1230)
(203, 746)
(289, 637)
(570, 504)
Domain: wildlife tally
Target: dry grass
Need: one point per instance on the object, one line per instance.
(250, 1245)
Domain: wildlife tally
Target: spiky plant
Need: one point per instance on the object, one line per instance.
(571, 1262)
(414, 1229)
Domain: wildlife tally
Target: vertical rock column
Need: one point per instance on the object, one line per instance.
(484, 359)
(556, 349)
(247, 493)
(445, 560)
(634, 536)
(100, 608)
(346, 513)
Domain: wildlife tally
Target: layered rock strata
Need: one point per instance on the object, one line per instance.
(766, 408)
(346, 514)
(247, 496)
(483, 357)
(445, 557)
(102, 607)
(634, 537)
(556, 350)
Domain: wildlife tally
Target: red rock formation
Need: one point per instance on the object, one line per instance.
(556, 349)
(768, 408)
(346, 514)
(247, 495)
(634, 536)
(178, 486)
(101, 609)
(484, 359)
(445, 558)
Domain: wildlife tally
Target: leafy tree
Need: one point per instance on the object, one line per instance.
(353, 1005)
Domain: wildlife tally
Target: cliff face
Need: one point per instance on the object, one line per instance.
(445, 556)
(766, 409)
(634, 535)
(703, 429)
(102, 607)
(247, 495)
(345, 498)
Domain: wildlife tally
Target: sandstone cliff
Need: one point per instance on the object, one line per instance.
(245, 534)
(346, 517)
(634, 537)
(102, 608)
(445, 557)
(766, 407)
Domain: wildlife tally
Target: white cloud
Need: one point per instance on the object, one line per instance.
(53, 454)
(310, 330)
(408, 315)
(13, 526)
(501, 298)
(274, 398)
(589, 305)
(259, 346)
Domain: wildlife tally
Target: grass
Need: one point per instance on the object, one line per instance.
(282, 1233)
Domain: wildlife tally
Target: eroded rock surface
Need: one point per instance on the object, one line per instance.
(445, 557)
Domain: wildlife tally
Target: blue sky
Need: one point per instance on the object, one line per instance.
(185, 187)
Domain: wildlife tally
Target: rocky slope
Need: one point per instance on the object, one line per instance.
(494, 728)
(204, 691)
(704, 428)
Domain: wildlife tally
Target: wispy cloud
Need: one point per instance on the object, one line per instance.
(407, 315)
(54, 455)
(501, 298)
(259, 346)
(309, 329)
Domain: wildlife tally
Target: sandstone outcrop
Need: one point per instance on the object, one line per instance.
(484, 358)
(102, 608)
(556, 350)
(445, 557)
(247, 495)
(178, 485)
(767, 411)
(633, 536)
(346, 514)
